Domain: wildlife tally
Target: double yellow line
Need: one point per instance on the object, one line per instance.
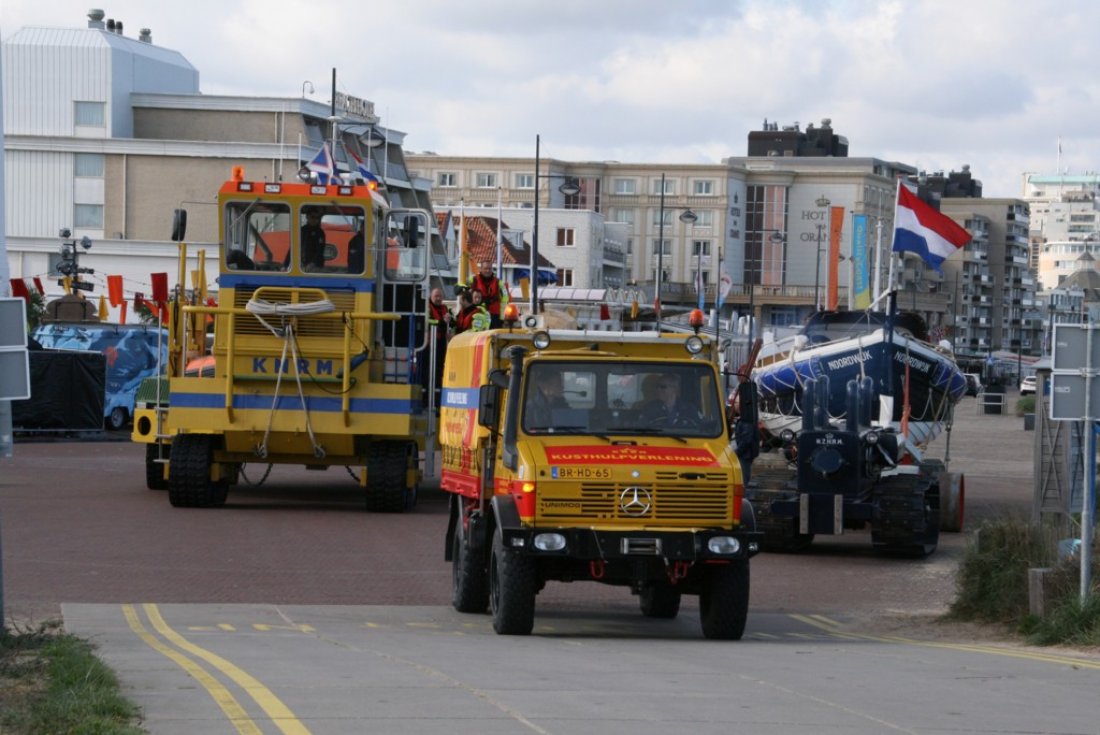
(833, 627)
(279, 713)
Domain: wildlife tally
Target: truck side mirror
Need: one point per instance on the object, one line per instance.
(179, 225)
(488, 406)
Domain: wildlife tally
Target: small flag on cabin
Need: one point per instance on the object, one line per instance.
(323, 165)
(362, 169)
(104, 313)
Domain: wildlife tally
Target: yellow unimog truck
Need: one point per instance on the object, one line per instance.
(313, 353)
(567, 460)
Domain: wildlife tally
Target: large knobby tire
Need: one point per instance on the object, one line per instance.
(513, 583)
(470, 575)
(387, 472)
(660, 600)
(724, 601)
(189, 483)
(154, 470)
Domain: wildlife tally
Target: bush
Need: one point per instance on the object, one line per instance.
(1025, 404)
(992, 578)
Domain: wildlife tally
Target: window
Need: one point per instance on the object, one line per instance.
(670, 186)
(700, 247)
(626, 186)
(630, 246)
(566, 237)
(625, 216)
(89, 114)
(525, 181)
(704, 218)
(565, 277)
(703, 188)
(88, 164)
(88, 216)
(486, 181)
(657, 217)
(695, 277)
(447, 180)
(667, 247)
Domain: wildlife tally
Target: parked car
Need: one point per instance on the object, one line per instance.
(973, 384)
(1027, 386)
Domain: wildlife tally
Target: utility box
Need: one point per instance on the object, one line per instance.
(15, 376)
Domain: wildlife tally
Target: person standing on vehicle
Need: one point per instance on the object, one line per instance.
(439, 317)
(472, 315)
(495, 296)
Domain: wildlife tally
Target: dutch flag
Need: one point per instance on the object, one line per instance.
(922, 230)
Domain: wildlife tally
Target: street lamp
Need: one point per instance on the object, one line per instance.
(689, 218)
(569, 188)
(822, 202)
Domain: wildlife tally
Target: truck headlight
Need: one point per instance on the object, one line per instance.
(549, 542)
(723, 545)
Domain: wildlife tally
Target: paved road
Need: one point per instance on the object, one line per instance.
(344, 618)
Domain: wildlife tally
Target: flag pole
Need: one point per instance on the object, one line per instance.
(893, 256)
(500, 243)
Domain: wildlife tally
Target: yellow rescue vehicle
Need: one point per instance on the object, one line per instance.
(591, 455)
(316, 350)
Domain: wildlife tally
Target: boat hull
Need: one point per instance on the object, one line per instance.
(914, 372)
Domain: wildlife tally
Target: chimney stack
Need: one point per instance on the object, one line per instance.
(95, 18)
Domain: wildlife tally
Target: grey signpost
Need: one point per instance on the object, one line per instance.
(1075, 396)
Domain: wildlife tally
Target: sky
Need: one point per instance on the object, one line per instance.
(997, 85)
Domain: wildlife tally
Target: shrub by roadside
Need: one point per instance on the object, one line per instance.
(51, 682)
(992, 584)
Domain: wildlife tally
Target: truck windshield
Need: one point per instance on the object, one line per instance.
(621, 398)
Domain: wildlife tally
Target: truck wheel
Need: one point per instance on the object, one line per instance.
(387, 464)
(512, 587)
(189, 483)
(154, 470)
(470, 593)
(660, 600)
(117, 418)
(724, 601)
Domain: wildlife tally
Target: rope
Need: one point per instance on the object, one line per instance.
(260, 308)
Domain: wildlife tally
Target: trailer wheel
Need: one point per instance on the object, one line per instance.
(387, 467)
(189, 483)
(470, 586)
(154, 470)
(724, 601)
(513, 584)
(660, 600)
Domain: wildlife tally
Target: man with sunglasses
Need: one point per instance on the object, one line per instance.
(667, 409)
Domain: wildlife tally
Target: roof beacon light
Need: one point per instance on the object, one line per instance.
(237, 173)
(695, 319)
(510, 315)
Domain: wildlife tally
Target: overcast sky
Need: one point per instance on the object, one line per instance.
(936, 84)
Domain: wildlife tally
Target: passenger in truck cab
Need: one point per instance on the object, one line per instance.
(668, 408)
(312, 241)
(543, 397)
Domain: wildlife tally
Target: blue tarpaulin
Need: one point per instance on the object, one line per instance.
(545, 276)
(131, 353)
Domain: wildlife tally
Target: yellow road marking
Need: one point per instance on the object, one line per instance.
(221, 696)
(263, 627)
(832, 627)
(279, 713)
(226, 626)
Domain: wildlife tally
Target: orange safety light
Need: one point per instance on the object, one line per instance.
(237, 173)
(695, 319)
(510, 315)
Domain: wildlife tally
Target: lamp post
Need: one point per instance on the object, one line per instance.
(569, 188)
(660, 254)
(776, 239)
(689, 218)
(821, 202)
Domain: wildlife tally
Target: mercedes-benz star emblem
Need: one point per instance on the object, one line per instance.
(635, 501)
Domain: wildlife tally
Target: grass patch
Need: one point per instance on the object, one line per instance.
(992, 584)
(51, 682)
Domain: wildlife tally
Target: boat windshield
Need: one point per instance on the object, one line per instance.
(622, 398)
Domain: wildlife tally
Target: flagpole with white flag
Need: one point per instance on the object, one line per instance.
(500, 239)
